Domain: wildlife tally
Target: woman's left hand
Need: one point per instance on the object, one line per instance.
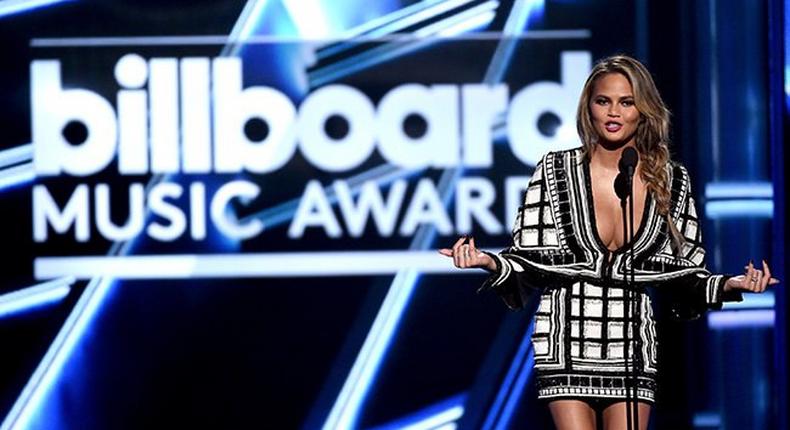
(754, 280)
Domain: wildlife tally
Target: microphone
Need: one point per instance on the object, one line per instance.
(621, 186)
(627, 166)
(628, 161)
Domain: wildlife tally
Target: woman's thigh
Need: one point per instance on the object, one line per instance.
(614, 417)
(572, 415)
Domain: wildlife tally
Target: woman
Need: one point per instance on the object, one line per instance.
(568, 242)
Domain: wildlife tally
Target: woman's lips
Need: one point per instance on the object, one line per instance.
(613, 127)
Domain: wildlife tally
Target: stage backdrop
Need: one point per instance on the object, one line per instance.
(233, 209)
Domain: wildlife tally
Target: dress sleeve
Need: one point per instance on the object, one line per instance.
(513, 280)
(693, 294)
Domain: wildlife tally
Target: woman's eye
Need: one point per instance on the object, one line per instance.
(628, 103)
(600, 101)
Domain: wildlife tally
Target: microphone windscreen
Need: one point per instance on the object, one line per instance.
(628, 159)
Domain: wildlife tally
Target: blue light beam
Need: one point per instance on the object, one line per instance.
(502, 406)
(433, 417)
(16, 176)
(27, 406)
(345, 411)
(720, 320)
(424, 37)
(739, 190)
(739, 208)
(35, 296)
(11, 7)
(16, 155)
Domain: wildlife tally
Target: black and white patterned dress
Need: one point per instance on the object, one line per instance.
(579, 338)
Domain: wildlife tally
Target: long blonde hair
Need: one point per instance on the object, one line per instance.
(652, 132)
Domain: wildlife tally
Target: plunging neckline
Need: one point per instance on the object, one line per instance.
(594, 223)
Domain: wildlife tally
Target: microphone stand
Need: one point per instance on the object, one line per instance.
(627, 324)
(625, 190)
(632, 372)
(633, 299)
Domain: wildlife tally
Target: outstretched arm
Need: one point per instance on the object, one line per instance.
(694, 294)
(465, 255)
(753, 281)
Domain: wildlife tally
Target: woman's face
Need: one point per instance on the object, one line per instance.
(614, 113)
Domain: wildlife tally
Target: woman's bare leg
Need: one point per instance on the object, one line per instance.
(614, 416)
(572, 415)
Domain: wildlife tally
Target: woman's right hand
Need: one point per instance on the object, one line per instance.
(466, 255)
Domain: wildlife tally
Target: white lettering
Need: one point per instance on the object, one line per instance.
(473, 200)
(351, 150)
(163, 89)
(438, 106)
(223, 218)
(233, 107)
(426, 208)
(526, 141)
(449, 125)
(158, 204)
(131, 71)
(46, 211)
(195, 115)
(314, 211)
(482, 104)
(54, 108)
(135, 221)
(197, 197)
(370, 203)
